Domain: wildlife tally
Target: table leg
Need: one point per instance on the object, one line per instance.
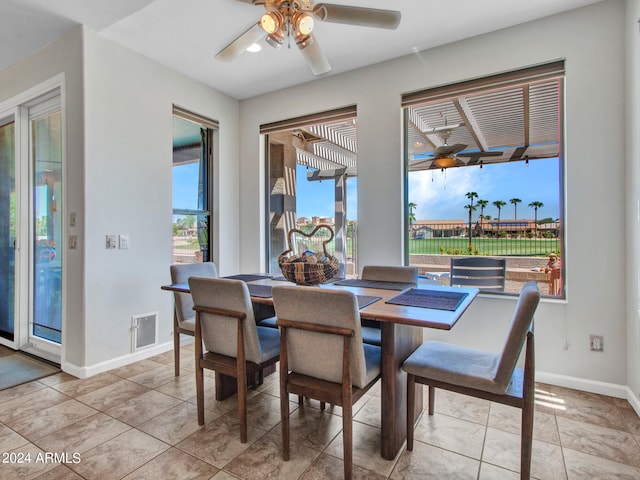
(398, 342)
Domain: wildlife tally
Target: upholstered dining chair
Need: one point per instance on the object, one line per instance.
(492, 376)
(485, 273)
(233, 344)
(322, 355)
(371, 329)
(183, 314)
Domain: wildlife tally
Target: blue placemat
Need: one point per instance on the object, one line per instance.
(247, 277)
(358, 282)
(262, 291)
(429, 299)
(364, 300)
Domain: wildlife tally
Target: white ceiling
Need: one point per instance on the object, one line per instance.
(186, 34)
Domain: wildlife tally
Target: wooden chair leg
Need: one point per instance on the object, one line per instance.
(176, 346)
(242, 406)
(300, 399)
(526, 441)
(322, 405)
(347, 439)
(284, 417)
(200, 392)
(411, 403)
(432, 399)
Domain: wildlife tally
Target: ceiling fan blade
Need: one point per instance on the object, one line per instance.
(366, 17)
(314, 56)
(449, 149)
(240, 44)
(253, 2)
(481, 154)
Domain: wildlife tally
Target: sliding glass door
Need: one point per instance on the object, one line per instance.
(7, 227)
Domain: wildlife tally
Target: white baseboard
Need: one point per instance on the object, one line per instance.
(89, 371)
(593, 386)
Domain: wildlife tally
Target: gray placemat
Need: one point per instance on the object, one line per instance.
(247, 277)
(364, 300)
(429, 299)
(262, 291)
(358, 282)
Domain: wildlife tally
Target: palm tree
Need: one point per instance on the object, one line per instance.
(536, 205)
(412, 216)
(515, 202)
(482, 204)
(471, 208)
(499, 204)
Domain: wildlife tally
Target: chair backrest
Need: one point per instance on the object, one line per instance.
(390, 273)
(484, 273)
(316, 354)
(180, 273)
(220, 333)
(520, 324)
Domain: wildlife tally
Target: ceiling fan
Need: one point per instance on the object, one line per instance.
(287, 19)
(446, 156)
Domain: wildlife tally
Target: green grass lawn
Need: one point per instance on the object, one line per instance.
(486, 246)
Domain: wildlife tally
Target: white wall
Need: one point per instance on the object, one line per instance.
(64, 57)
(591, 40)
(128, 189)
(632, 154)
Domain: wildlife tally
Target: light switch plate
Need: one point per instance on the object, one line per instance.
(123, 242)
(111, 242)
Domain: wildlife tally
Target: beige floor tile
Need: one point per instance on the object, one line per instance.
(326, 467)
(174, 463)
(113, 394)
(431, 463)
(182, 387)
(581, 466)
(10, 440)
(20, 390)
(175, 424)
(631, 419)
(263, 460)
(136, 368)
(61, 472)
(24, 463)
(218, 442)
(143, 407)
(155, 377)
(503, 450)
(313, 428)
(263, 411)
(30, 404)
(83, 435)
(450, 433)
(602, 415)
(491, 472)
(222, 475)
(56, 379)
(366, 449)
(119, 456)
(461, 406)
(509, 419)
(78, 387)
(370, 413)
(601, 441)
(51, 419)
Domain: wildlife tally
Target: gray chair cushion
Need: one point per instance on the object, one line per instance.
(316, 354)
(219, 333)
(371, 335)
(180, 273)
(268, 322)
(384, 273)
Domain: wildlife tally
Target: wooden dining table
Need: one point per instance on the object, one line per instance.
(402, 329)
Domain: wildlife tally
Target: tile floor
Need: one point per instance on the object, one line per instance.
(139, 422)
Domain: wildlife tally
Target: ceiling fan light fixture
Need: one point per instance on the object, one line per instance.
(275, 39)
(303, 23)
(254, 48)
(271, 22)
(445, 162)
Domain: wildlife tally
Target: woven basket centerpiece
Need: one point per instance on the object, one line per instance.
(308, 268)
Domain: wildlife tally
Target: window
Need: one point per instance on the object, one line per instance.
(484, 175)
(312, 179)
(193, 138)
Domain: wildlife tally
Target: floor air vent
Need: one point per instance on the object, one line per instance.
(144, 330)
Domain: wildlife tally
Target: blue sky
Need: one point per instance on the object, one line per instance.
(441, 196)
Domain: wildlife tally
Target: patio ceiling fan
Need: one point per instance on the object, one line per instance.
(446, 156)
(287, 19)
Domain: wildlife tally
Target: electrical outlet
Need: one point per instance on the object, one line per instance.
(73, 242)
(597, 343)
